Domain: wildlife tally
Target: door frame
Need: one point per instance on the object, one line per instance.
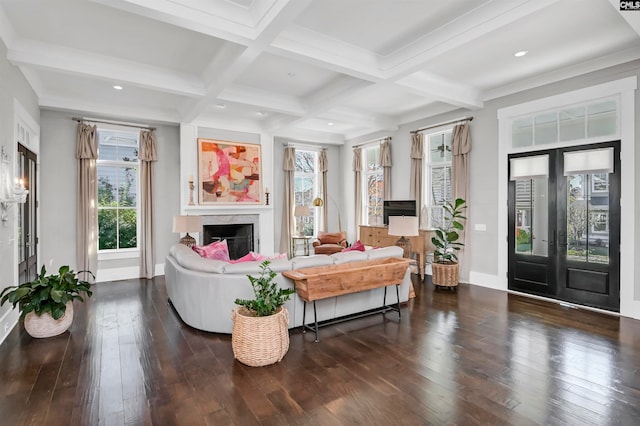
(624, 90)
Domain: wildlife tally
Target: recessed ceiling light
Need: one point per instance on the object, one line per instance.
(261, 113)
(520, 53)
(330, 124)
(117, 87)
(221, 106)
(291, 74)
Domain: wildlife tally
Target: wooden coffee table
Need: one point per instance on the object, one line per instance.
(322, 282)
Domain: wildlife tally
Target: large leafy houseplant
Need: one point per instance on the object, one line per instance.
(47, 293)
(447, 236)
(268, 297)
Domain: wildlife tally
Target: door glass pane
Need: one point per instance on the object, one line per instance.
(588, 218)
(532, 219)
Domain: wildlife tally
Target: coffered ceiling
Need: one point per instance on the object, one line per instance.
(321, 70)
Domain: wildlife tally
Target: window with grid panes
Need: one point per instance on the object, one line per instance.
(306, 188)
(437, 177)
(373, 185)
(117, 168)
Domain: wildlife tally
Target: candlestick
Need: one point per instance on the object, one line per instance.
(266, 196)
(191, 187)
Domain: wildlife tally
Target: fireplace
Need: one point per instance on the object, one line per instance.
(240, 231)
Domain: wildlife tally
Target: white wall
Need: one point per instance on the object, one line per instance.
(58, 196)
(13, 87)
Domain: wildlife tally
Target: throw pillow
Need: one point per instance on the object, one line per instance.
(357, 246)
(217, 251)
(246, 258)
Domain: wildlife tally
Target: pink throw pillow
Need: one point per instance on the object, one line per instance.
(246, 258)
(279, 256)
(217, 251)
(357, 246)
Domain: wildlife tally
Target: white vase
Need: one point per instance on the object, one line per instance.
(45, 326)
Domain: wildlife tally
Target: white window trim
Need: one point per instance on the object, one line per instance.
(625, 90)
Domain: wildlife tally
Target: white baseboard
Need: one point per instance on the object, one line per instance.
(485, 280)
(127, 273)
(7, 322)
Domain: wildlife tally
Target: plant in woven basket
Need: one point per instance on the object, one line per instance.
(46, 303)
(268, 297)
(47, 293)
(446, 237)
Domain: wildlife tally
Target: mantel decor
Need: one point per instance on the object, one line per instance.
(229, 172)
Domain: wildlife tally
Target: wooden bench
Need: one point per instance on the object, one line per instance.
(322, 282)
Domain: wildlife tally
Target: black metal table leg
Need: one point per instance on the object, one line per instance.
(398, 299)
(315, 317)
(304, 316)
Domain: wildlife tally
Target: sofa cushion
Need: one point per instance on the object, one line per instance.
(217, 250)
(189, 259)
(253, 267)
(348, 256)
(382, 252)
(311, 261)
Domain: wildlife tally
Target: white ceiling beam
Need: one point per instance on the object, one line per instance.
(471, 25)
(368, 121)
(226, 73)
(77, 62)
(158, 114)
(7, 33)
(215, 25)
(435, 87)
(310, 136)
(262, 99)
(317, 49)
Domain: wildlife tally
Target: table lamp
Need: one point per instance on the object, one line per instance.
(186, 224)
(403, 226)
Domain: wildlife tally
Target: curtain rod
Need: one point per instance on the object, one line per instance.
(301, 145)
(470, 118)
(118, 123)
(387, 138)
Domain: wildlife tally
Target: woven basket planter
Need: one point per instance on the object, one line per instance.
(444, 274)
(259, 341)
(45, 326)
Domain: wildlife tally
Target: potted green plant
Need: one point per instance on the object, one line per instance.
(46, 303)
(445, 268)
(260, 333)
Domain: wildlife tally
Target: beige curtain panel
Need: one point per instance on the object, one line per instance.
(288, 202)
(385, 162)
(357, 174)
(415, 178)
(460, 148)
(148, 155)
(324, 168)
(87, 201)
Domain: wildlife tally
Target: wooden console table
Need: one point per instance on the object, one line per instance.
(378, 236)
(322, 282)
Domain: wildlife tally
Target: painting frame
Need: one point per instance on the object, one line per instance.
(229, 173)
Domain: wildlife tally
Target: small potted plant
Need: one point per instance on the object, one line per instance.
(445, 268)
(260, 334)
(46, 303)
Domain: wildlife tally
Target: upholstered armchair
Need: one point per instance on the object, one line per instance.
(330, 242)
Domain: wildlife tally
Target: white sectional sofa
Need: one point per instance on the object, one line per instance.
(202, 291)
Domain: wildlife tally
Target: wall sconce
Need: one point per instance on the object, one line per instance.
(10, 192)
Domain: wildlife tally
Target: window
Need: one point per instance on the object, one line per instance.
(117, 166)
(306, 188)
(437, 185)
(373, 185)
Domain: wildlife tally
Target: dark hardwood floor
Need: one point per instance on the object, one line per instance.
(477, 356)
